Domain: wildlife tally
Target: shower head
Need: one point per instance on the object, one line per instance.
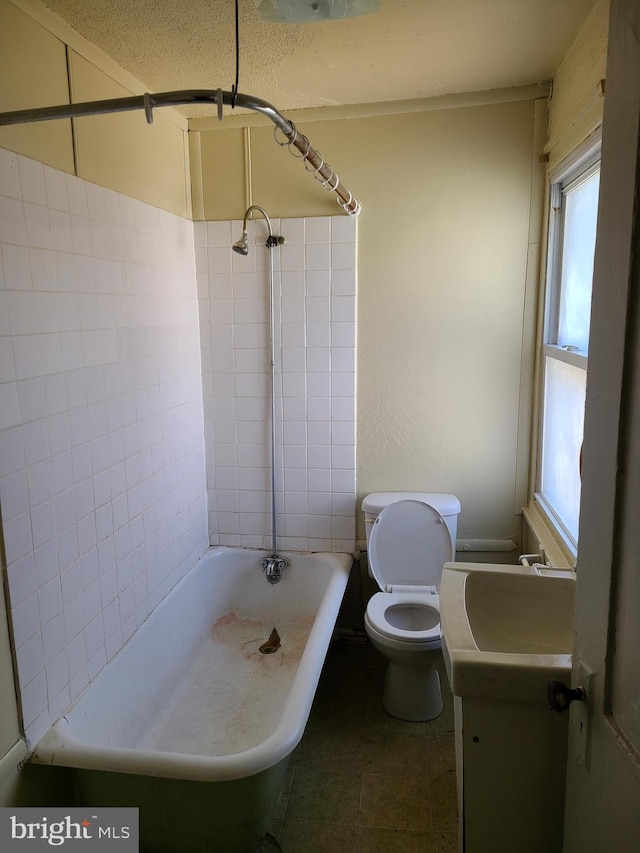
(241, 247)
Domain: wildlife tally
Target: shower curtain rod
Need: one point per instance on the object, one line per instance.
(321, 170)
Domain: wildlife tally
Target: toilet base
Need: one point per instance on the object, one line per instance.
(412, 693)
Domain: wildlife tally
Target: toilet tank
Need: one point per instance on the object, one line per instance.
(447, 505)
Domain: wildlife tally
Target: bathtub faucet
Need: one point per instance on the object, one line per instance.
(273, 567)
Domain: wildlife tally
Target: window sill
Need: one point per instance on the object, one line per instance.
(557, 551)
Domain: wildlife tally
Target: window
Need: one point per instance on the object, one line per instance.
(572, 237)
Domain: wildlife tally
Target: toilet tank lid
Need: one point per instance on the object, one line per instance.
(444, 503)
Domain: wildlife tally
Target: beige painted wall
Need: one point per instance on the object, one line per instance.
(442, 273)
(442, 264)
(221, 188)
(33, 71)
(121, 152)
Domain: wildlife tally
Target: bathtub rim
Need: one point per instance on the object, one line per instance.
(59, 747)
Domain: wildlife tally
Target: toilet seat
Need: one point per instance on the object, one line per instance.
(380, 610)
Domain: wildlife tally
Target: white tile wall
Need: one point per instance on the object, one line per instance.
(102, 487)
(315, 314)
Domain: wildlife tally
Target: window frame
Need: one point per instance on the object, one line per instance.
(578, 167)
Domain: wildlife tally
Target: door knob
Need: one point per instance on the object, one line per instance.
(560, 696)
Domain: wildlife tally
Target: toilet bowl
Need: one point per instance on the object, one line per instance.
(409, 538)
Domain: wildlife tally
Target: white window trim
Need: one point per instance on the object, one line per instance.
(568, 356)
(558, 546)
(552, 549)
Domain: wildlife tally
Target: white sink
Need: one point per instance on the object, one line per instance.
(506, 629)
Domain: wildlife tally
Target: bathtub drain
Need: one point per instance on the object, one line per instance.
(271, 645)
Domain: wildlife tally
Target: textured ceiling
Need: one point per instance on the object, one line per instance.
(408, 49)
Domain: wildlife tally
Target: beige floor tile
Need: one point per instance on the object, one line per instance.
(317, 837)
(442, 752)
(324, 741)
(446, 842)
(356, 661)
(442, 725)
(332, 708)
(442, 775)
(324, 796)
(444, 800)
(375, 840)
(393, 752)
(358, 766)
(395, 802)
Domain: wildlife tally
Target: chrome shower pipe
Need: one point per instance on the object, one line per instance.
(274, 564)
(148, 102)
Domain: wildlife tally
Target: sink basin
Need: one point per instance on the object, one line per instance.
(520, 613)
(506, 629)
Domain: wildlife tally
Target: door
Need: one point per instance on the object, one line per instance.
(603, 773)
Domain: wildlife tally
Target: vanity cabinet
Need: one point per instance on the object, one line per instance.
(511, 761)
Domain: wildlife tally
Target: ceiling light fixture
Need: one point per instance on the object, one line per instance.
(307, 11)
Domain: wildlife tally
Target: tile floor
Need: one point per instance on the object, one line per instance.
(361, 781)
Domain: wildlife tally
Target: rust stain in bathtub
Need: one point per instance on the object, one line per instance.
(269, 677)
(248, 635)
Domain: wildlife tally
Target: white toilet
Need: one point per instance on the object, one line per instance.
(410, 536)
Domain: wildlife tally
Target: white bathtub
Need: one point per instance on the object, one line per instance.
(193, 724)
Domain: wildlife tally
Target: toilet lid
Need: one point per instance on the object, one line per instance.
(409, 544)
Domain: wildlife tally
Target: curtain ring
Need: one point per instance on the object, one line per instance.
(327, 184)
(302, 154)
(345, 204)
(315, 171)
(148, 109)
(275, 136)
(219, 103)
